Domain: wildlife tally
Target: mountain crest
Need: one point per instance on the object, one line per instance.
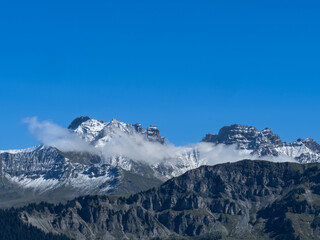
(246, 137)
(98, 132)
(265, 143)
(77, 122)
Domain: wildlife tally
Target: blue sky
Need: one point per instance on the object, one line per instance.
(189, 67)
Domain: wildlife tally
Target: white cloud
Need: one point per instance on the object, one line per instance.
(136, 147)
(53, 135)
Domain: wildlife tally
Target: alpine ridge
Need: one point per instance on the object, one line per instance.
(97, 132)
(243, 200)
(50, 174)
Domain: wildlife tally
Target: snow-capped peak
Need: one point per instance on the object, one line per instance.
(98, 132)
(89, 129)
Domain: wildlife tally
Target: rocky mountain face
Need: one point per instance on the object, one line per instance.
(265, 143)
(47, 173)
(51, 174)
(243, 200)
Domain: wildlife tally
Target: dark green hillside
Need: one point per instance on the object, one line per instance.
(12, 228)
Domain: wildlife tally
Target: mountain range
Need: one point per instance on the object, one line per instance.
(249, 199)
(54, 174)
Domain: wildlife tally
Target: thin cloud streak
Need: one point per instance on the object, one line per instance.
(136, 147)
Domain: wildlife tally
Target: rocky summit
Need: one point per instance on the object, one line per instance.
(243, 200)
(265, 143)
(97, 131)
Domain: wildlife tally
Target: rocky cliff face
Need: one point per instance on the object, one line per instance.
(265, 143)
(247, 199)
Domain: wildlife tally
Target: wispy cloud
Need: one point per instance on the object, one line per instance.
(51, 134)
(136, 147)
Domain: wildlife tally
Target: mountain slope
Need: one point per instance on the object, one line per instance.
(47, 174)
(12, 228)
(242, 200)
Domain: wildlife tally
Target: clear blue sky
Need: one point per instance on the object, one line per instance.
(189, 67)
